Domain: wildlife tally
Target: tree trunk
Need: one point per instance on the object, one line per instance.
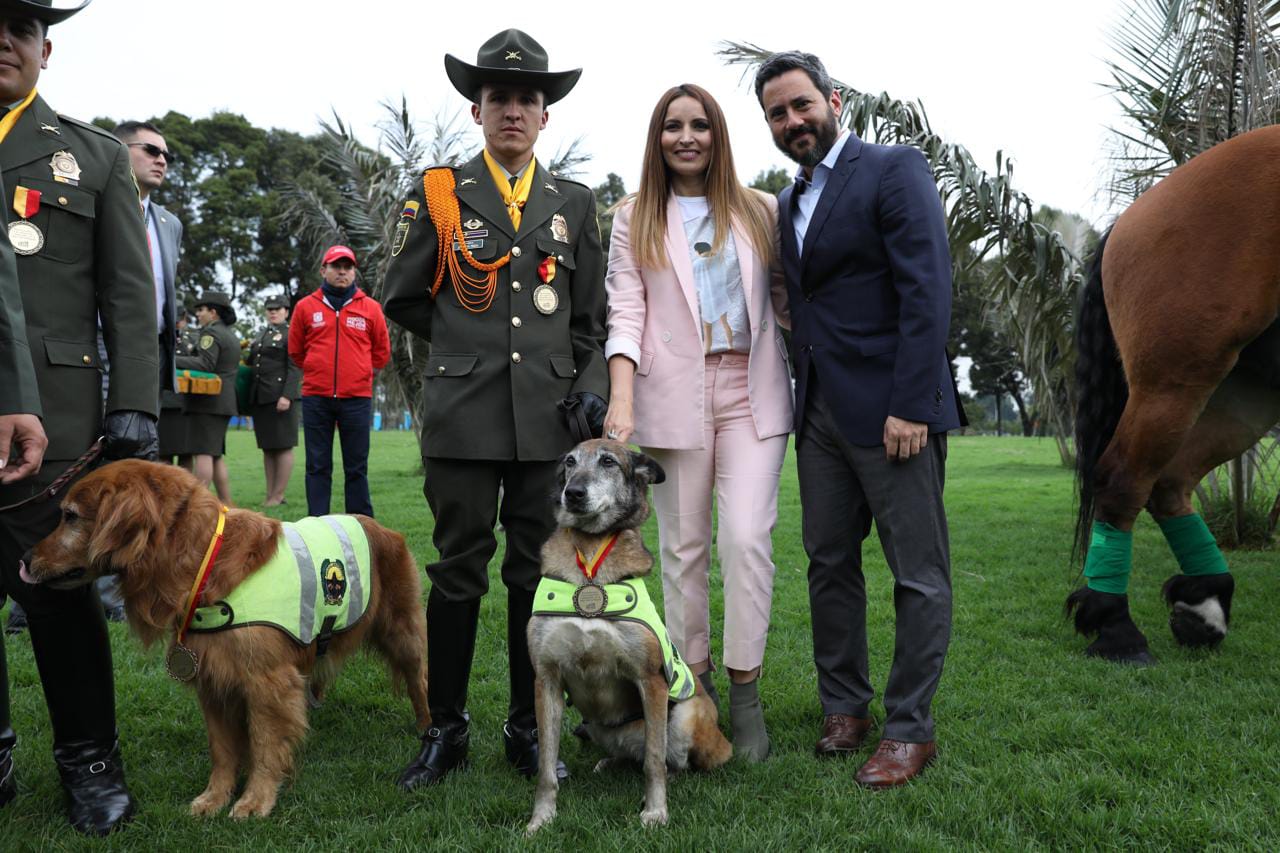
(999, 415)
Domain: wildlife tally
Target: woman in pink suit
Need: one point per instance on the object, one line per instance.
(699, 379)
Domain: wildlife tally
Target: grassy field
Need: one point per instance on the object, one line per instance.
(1040, 748)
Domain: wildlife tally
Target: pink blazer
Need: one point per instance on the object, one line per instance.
(654, 321)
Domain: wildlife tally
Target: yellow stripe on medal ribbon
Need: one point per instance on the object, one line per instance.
(20, 201)
(513, 199)
(11, 118)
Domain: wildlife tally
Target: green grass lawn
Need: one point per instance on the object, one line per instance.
(1039, 747)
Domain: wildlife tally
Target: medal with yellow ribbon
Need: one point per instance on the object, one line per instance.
(181, 662)
(27, 239)
(590, 599)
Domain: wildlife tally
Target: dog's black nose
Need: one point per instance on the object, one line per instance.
(575, 494)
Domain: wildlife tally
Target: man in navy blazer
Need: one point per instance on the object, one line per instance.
(864, 248)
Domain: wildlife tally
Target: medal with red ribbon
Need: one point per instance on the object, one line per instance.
(590, 599)
(27, 239)
(545, 298)
(181, 662)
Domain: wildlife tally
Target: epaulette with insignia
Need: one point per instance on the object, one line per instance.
(84, 125)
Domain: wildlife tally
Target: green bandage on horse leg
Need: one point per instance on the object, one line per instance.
(1110, 559)
(1192, 543)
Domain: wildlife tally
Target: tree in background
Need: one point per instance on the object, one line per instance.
(772, 181)
(608, 194)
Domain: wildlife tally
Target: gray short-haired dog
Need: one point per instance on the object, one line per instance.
(595, 635)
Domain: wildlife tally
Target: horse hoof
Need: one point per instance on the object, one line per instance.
(1132, 657)
(1106, 614)
(1200, 608)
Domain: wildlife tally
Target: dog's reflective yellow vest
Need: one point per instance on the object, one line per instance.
(315, 586)
(626, 600)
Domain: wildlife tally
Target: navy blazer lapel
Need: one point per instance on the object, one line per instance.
(836, 181)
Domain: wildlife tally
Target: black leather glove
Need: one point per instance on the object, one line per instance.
(585, 413)
(130, 435)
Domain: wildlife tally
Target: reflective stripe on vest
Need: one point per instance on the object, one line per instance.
(320, 569)
(626, 601)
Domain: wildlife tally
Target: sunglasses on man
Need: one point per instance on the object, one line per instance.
(154, 151)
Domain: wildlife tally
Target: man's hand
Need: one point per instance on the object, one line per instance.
(130, 435)
(283, 404)
(904, 439)
(22, 446)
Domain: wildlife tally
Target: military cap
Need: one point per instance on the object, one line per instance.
(276, 301)
(511, 57)
(213, 297)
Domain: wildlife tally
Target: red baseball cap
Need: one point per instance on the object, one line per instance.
(337, 253)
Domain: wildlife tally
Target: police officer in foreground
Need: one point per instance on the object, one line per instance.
(514, 314)
(75, 223)
(273, 398)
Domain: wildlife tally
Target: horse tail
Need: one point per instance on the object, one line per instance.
(1101, 393)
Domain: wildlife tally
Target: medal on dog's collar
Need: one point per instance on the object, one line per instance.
(181, 662)
(590, 599)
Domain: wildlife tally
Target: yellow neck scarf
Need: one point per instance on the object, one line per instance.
(11, 118)
(514, 199)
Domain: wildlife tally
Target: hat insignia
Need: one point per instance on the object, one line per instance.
(514, 55)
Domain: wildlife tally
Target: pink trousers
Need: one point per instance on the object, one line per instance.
(744, 471)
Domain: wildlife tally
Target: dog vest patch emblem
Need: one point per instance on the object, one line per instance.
(335, 581)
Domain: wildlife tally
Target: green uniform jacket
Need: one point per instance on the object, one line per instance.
(94, 262)
(274, 375)
(493, 379)
(217, 351)
(19, 393)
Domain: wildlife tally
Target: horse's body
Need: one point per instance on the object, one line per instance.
(1185, 288)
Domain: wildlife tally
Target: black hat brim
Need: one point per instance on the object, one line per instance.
(39, 11)
(468, 79)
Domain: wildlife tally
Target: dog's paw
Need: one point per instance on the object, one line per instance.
(251, 806)
(541, 817)
(654, 817)
(209, 803)
(606, 764)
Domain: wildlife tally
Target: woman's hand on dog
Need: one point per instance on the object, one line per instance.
(619, 422)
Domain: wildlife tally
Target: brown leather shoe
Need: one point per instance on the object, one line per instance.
(895, 763)
(841, 735)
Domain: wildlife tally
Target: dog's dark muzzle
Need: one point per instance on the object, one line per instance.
(575, 498)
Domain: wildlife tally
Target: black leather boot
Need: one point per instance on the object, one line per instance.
(98, 800)
(520, 731)
(451, 644)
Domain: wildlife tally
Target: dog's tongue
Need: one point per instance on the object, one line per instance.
(24, 574)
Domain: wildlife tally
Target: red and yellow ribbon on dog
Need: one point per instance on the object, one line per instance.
(590, 569)
(181, 661)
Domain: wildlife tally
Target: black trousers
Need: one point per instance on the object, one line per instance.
(843, 488)
(464, 498)
(353, 417)
(67, 629)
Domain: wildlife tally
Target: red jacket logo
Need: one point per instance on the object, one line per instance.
(317, 318)
(356, 323)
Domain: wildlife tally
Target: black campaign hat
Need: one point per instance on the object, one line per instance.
(511, 57)
(276, 301)
(40, 9)
(213, 297)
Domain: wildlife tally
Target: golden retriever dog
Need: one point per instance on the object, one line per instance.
(636, 703)
(151, 524)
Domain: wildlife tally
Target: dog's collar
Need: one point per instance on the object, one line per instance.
(555, 597)
(202, 576)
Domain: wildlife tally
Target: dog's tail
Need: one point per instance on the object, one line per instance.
(710, 749)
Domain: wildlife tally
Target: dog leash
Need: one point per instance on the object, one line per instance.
(181, 662)
(84, 461)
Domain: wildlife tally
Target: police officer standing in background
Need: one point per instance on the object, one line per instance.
(76, 226)
(514, 315)
(217, 351)
(273, 398)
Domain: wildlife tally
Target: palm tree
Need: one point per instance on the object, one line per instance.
(1038, 274)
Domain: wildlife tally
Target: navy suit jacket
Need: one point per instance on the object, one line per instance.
(870, 294)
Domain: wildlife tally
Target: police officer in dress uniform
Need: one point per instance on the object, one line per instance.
(75, 223)
(273, 398)
(217, 350)
(22, 438)
(515, 321)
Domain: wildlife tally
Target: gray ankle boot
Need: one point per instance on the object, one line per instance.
(710, 686)
(746, 722)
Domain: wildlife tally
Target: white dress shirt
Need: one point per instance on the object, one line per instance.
(807, 201)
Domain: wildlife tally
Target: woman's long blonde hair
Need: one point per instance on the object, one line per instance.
(727, 199)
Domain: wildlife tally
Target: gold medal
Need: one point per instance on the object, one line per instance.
(181, 663)
(545, 299)
(26, 238)
(65, 168)
(590, 600)
(560, 228)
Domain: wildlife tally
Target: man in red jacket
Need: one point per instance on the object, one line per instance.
(339, 338)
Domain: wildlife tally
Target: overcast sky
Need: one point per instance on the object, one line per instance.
(1018, 75)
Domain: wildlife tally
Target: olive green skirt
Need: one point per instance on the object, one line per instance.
(275, 430)
(207, 434)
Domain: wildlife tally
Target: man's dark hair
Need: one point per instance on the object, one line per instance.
(127, 130)
(789, 60)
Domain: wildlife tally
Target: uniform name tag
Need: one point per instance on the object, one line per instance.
(471, 244)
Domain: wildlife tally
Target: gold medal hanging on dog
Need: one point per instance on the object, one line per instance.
(181, 663)
(590, 599)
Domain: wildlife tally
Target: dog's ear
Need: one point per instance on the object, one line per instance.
(647, 469)
(126, 518)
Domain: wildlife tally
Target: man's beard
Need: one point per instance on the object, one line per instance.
(824, 136)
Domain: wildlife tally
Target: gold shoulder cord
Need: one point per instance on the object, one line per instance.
(475, 294)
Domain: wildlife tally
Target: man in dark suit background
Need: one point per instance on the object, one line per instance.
(864, 247)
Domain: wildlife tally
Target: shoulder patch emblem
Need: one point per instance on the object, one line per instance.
(206, 341)
(402, 234)
(410, 210)
(334, 576)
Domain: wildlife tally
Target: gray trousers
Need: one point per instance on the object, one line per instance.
(843, 488)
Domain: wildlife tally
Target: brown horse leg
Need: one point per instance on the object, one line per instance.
(1240, 412)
